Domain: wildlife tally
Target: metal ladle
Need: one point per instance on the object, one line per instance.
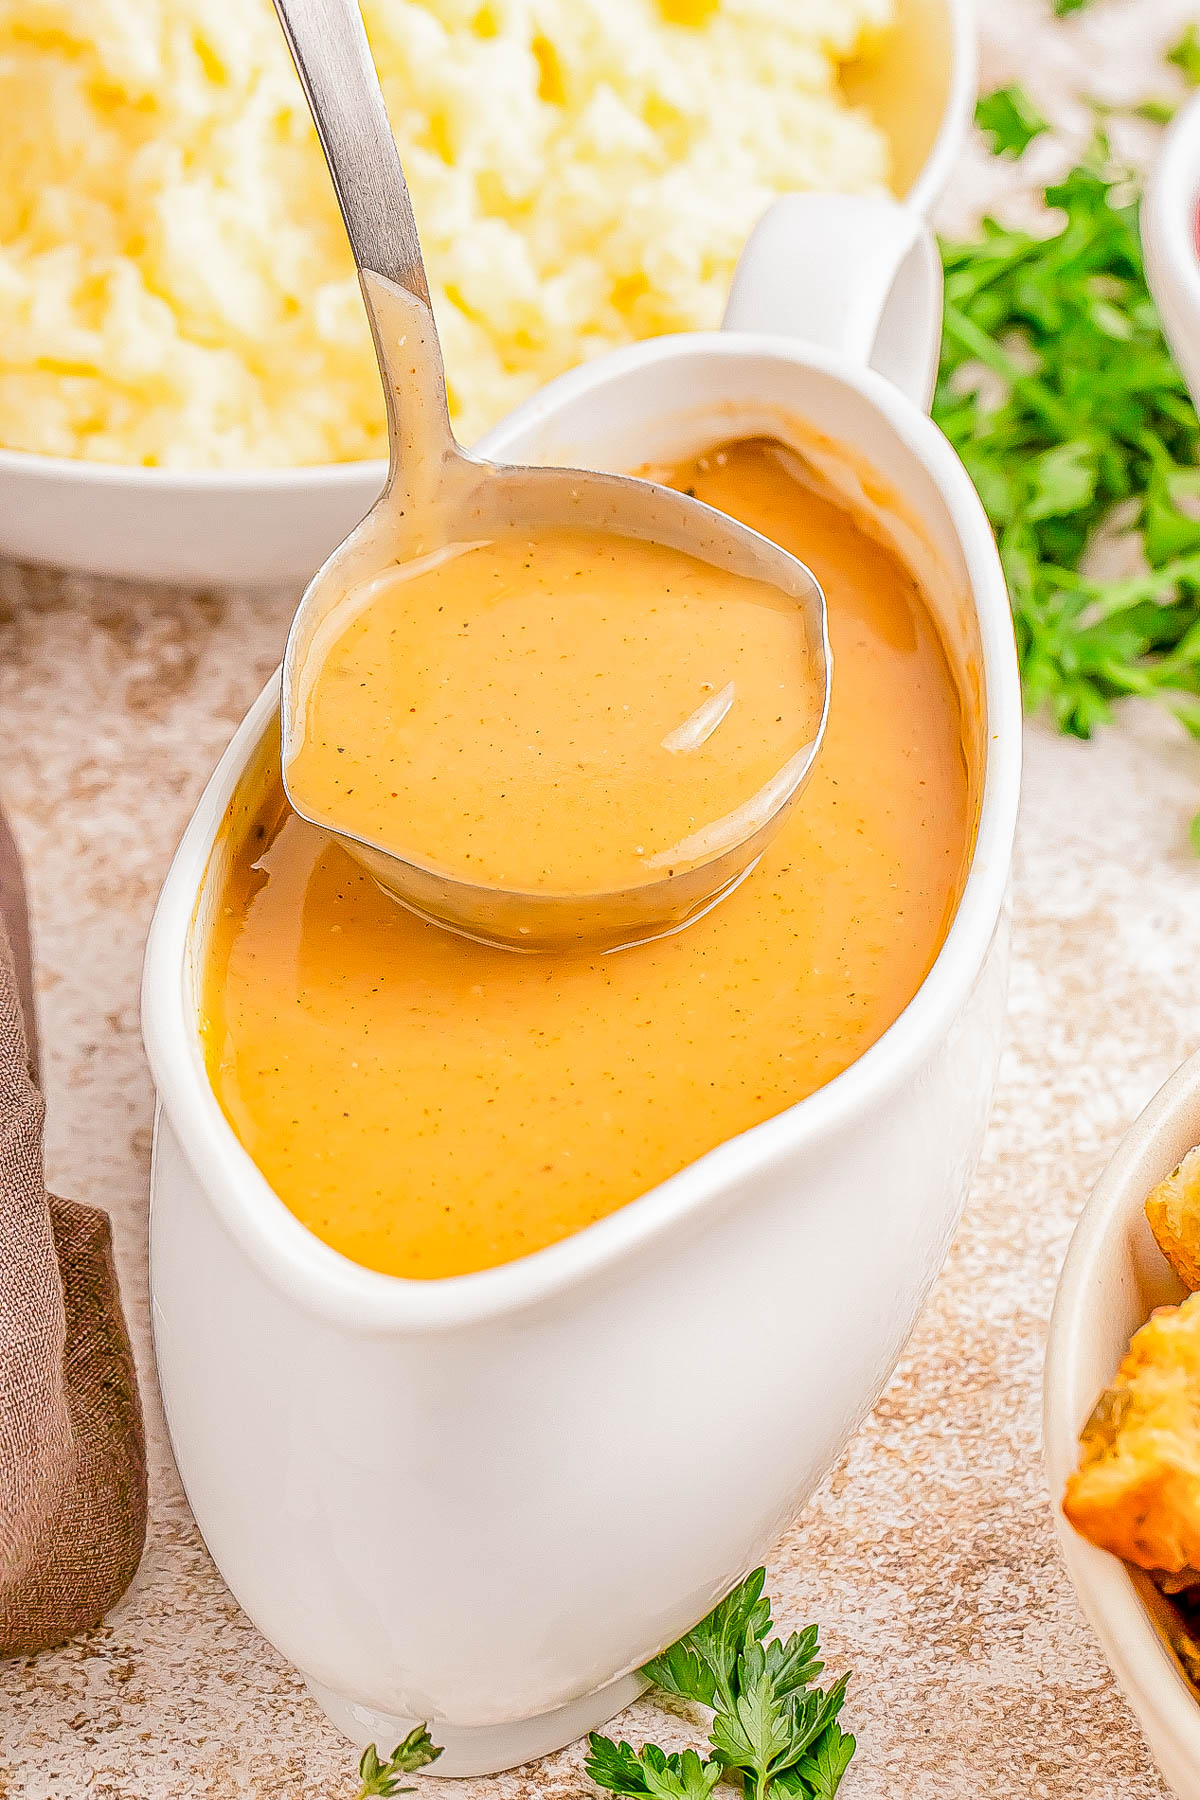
(438, 494)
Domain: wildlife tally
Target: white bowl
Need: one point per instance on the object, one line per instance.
(460, 1500)
(1113, 1278)
(1168, 220)
(259, 527)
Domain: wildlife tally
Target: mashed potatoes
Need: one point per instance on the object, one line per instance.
(175, 287)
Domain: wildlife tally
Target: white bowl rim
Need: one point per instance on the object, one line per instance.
(142, 477)
(371, 472)
(1140, 1659)
(1170, 208)
(958, 113)
(364, 1299)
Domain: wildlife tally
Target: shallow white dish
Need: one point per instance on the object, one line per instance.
(1113, 1278)
(257, 528)
(417, 1489)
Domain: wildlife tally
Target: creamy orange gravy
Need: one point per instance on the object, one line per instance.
(429, 1106)
(575, 713)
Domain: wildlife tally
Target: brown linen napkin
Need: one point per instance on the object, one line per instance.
(72, 1452)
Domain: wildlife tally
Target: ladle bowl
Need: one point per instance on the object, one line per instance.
(439, 495)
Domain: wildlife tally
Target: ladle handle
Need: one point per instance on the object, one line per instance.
(329, 47)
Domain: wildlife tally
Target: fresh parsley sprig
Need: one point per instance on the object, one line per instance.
(771, 1727)
(382, 1779)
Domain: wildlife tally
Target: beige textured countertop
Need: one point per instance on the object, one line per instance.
(928, 1555)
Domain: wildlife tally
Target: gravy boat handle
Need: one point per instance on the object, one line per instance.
(857, 274)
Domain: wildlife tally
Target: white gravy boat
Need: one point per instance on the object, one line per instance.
(459, 1500)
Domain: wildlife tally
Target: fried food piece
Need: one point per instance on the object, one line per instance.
(1136, 1491)
(1181, 1619)
(1173, 1215)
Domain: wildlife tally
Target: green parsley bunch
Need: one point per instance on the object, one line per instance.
(771, 1729)
(1058, 391)
(1085, 414)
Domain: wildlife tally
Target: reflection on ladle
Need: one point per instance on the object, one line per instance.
(409, 733)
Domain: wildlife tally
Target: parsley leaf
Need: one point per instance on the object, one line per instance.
(383, 1778)
(820, 1774)
(771, 1727)
(1010, 120)
(1186, 55)
(1063, 7)
(1063, 480)
(792, 1662)
(1156, 112)
(649, 1771)
(701, 1665)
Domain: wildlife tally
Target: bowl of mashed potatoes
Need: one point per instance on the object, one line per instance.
(187, 388)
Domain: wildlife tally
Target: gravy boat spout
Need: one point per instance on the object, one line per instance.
(414, 1487)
